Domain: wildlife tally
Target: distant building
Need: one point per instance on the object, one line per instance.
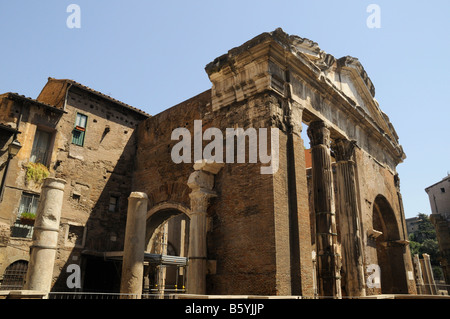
(412, 224)
(439, 195)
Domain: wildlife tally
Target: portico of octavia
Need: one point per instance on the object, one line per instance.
(285, 233)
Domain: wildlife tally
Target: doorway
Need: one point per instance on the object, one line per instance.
(390, 249)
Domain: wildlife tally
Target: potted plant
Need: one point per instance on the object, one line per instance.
(27, 218)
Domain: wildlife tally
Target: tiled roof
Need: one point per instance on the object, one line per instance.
(17, 96)
(88, 89)
(9, 128)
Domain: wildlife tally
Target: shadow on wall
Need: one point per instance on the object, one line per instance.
(105, 231)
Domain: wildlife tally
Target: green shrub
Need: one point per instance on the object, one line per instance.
(37, 172)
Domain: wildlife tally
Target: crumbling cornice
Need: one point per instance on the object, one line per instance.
(271, 60)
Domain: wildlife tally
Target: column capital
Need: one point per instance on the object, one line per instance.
(200, 200)
(319, 134)
(294, 117)
(56, 183)
(343, 149)
(200, 180)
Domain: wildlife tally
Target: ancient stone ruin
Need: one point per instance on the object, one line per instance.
(327, 222)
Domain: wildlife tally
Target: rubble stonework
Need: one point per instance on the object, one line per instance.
(244, 232)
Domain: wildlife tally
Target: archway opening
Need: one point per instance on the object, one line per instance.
(390, 251)
(167, 241)
(14, 276)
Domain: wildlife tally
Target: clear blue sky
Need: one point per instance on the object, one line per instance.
(152, 54)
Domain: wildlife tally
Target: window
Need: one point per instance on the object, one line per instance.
(76, 197)
(75, 235)
(28, 203)
(79, 130)
(14, 276)
(442, 190)
(41, 145)
(113, 201)
(23, 227)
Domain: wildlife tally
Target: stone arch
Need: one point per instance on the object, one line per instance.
(167, 277)
(162, 212)
(169, 192)
(390, 248)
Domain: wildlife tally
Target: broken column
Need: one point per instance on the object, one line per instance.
(349, 220)
(419, 277)
(45, 236)
(327, 250)
(201, 182)
(428, 275)
(134, 247)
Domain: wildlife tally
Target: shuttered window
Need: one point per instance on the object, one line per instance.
(79, 131)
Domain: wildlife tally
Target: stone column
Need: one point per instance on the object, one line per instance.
(429, 278)
(201, 182)
(45, 236)
(327, 250)
(419, 276)
(349, 219)
(134, 247)
(301, 266)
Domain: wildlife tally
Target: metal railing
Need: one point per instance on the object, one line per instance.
(89, 295)
(107, 296)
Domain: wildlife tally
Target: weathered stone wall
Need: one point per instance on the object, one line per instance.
(26, 117)
(375, 180)
(247, 234)
(94, 172)
(439, 197)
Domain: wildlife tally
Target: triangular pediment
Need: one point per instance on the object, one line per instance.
(348, 75)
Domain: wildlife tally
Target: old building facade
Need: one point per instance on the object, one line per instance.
(333, 229)
(79, 135)
(439, 196)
